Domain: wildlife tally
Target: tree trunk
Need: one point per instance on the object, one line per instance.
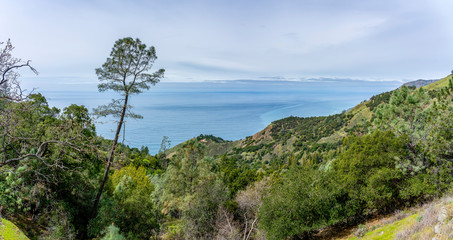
(109, 162)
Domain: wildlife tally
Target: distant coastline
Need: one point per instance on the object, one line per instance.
(420, 83)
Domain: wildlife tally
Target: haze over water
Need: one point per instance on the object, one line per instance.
(231, 110)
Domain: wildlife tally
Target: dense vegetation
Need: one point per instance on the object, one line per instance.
(297, 176)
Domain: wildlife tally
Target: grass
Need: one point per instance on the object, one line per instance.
(358, 108)
(334, 138)
(9, 231)
(389, 231)
(436, 221)
(360, 113)
(433, 220)
(360, 116)
(439, 84)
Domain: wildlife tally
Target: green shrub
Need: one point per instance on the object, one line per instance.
(303, 200)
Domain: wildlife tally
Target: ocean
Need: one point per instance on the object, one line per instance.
(231, 110)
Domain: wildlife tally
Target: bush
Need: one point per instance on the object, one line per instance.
(303, 200)
(112, 233)
(367, 170)
(129, 205)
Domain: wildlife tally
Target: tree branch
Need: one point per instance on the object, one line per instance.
(39, 152)
(4, 80)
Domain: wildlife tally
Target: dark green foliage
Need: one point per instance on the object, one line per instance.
(422, 119)
(48, 160)
(368, 171)
(107, 215)
(406, 112)
(139, 158)
(303, 200)
(236, 176)
(309, 129)
(210, 137)
(129, 205)
(378, 99)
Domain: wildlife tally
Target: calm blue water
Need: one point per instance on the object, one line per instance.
(231, 110)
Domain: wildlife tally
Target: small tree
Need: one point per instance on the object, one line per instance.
(125, 72)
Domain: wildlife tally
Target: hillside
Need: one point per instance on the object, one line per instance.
(433, 220)
(444, 82)
(310, 138)
(307, 139)
(9, 231)
(362, 148)
(419, 83)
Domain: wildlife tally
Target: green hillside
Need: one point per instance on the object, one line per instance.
(307, 139)
(362, 148)
(9, 231)
(444, 82)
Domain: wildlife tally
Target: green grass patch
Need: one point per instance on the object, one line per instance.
(334, 138)
(439, 84)
(9, 231)
(388, 232)
(357, 108)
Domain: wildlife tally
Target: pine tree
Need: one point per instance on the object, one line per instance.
(125, 72)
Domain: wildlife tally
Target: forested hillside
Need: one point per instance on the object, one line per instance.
(293, 180)
(387, 153)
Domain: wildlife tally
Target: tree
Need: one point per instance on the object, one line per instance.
(303, 200)
(113, 233)
(47, 163)
(162, 155)
(201, 209)
(9, 86)
(125, 72)
(186, 170)
(128, 204)
(421, 116)
(369, 170)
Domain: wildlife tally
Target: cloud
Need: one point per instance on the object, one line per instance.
(199, 40)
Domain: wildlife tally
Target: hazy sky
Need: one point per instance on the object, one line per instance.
(236, 39)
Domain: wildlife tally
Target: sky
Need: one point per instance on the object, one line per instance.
(235, 39)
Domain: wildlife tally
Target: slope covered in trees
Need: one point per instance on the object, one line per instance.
(396, 152)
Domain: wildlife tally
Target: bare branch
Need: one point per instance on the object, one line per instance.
(27, 64)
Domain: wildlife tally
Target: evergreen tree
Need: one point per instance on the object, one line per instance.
(125, 72)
